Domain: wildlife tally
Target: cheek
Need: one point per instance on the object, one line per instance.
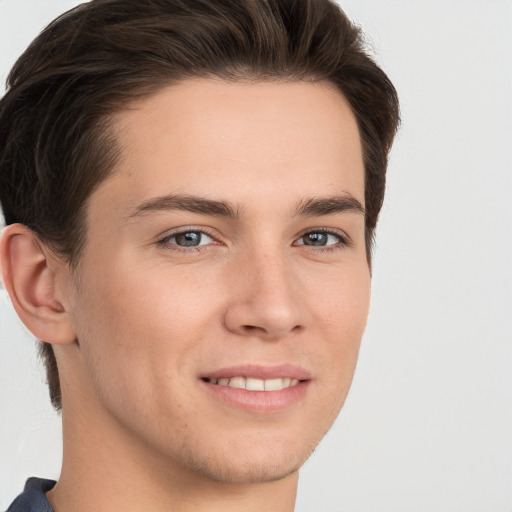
(136, 333)
(342, 303)
(146, 320)
(341, 313)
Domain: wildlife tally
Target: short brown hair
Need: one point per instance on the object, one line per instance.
(55, 142)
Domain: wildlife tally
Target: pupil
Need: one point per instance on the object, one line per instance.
(316, 239)
(189, 239)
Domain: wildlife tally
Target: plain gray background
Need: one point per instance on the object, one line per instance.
(427, 426)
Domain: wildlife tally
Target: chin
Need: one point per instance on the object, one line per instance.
(257, 463)
(247, 473)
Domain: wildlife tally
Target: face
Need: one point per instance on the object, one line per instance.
(224, 286)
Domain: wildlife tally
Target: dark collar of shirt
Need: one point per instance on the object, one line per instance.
(33, 498)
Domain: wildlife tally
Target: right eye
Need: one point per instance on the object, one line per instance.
(191, 238)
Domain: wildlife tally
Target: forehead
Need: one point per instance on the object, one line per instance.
(245, 139)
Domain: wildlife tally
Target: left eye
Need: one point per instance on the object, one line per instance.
(319, 239)
(189, 239)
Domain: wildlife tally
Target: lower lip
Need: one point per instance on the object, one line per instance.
(259, 401)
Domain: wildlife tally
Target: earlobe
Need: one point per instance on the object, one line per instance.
(30, 277)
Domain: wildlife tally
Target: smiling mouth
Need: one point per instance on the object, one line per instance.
(254, 384)
(258, 389)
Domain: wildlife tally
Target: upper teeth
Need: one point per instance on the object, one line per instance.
(253, 384)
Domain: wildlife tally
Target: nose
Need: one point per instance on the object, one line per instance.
(267, 301)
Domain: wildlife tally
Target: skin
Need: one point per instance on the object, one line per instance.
(151, 318)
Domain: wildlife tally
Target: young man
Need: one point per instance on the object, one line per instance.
(190, 191)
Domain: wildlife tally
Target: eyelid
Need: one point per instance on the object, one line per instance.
(185, 229)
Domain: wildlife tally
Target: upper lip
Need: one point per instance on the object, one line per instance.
(260, 372)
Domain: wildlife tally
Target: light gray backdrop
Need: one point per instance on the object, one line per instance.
(427, 426)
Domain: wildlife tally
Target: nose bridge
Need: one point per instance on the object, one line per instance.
(268, 301)
(272, 275)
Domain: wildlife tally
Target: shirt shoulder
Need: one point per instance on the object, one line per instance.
(33, 498)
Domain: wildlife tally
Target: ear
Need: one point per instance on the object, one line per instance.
(33, 277)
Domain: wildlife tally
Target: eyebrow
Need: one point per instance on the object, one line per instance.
(315, 206)
(318, 206)
(188, 203)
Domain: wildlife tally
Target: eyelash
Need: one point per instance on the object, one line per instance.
(344, 240)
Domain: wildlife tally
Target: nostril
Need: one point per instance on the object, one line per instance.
(252, 328)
